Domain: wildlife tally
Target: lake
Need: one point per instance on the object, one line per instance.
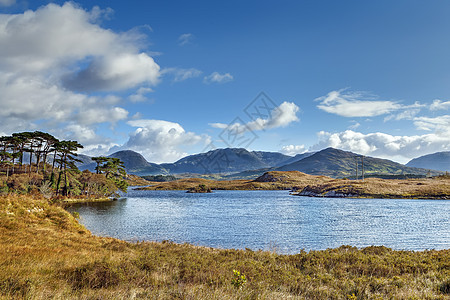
(270, 220)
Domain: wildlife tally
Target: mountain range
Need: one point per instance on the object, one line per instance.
(436, 161)
(236, 163)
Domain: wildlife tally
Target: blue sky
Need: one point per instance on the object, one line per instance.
(171, 78)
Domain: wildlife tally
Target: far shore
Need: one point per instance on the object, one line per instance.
(322, 186)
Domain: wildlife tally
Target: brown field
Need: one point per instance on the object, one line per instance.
(427, 188)
(46, 254)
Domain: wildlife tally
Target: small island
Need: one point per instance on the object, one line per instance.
(201, 188)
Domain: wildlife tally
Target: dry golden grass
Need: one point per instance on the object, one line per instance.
(427, 188)
(134, 180)
(46, 254)
(274, 180)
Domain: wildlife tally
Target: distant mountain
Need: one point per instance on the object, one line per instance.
(228, 160)
(338, 163)
(86, 163)
(272, 159)
(236, 163)
(297, 158)
(136, 164)
(436, 161)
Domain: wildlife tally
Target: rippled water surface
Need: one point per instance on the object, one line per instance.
(270, 220)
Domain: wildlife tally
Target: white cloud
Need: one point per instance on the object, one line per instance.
(185, 38)
(139, 96)
(401, 148)
(408, 114)
(355, 125)
(355, 104)
(180, 74)
(440, 123)
(102, 115)
(7, 2)
(115, 72)
(216, 77)
(439, 104)
(281, 116)
(161, 141)
(293, 149)
(50, 58)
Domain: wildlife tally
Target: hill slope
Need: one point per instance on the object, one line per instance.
(136, 164)
(338, 163)
(436, 161)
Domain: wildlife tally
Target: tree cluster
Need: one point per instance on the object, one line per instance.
(38, 159)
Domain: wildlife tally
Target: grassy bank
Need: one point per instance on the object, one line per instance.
(45, 253)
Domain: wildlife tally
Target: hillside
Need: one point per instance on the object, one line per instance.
(136, 164)
(338, 163)
(86, 163)
(436, 161)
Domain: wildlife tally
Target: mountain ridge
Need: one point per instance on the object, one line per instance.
(234, 163)
(434, 161)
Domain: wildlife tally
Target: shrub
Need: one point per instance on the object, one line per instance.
(94, 275)
(444, 287)
(238, 279)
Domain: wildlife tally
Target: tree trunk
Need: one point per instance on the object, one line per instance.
(31, 157)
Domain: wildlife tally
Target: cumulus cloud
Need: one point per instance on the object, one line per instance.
(281, 116)
(400, 148)
(115, 72)
(355, 104)
(161, 141)
(293, 149)
(54, 56)
(216, 77)
(102, 115)
(185, 39)
(439, 104)
(180, 74)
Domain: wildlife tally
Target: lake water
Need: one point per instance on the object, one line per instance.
(270, 220)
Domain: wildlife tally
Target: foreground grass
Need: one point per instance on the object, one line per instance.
(45, 254)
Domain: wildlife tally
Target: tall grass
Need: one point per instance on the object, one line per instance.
(45, 254)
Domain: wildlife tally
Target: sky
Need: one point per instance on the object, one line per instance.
(173, 78)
